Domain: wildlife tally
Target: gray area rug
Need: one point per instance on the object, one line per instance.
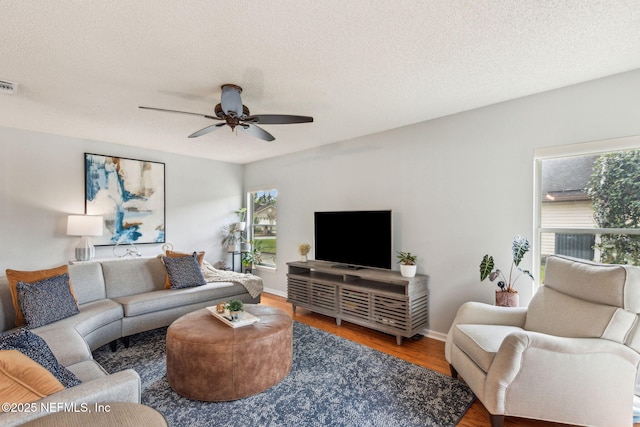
(333, 382)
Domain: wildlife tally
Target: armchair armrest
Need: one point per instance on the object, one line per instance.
(585, 380)
(123, 386)
(485, 314)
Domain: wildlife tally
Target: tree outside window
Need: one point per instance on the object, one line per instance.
(590, 207)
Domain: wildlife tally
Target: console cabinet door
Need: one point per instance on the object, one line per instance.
(298, 291)
(324, 297)
(354, 303)
(391, 312)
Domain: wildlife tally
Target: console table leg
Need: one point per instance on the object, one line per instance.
(294, 308)
(338, 321)
(399, 339)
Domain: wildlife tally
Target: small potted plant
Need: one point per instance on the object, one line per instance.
(235, 307)
(507, 296)
(407, 262)
(241, 224)
(230, 236)
(304, 249)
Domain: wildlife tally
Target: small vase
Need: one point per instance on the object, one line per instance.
(234, 315)
(303, 258)
(507, 299)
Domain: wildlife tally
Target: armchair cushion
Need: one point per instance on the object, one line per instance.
(555, 313)
(481, 342)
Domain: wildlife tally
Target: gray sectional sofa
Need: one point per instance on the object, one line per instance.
(117, 299)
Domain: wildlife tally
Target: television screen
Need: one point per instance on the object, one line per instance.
(354, 238)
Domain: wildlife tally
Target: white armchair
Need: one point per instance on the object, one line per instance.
(572, 356)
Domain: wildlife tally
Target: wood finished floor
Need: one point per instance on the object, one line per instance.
(425, 352)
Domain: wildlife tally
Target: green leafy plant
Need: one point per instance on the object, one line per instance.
(235, 305)
(229, 234)
(519, 248)
(242, 212)
(406, 258)
(254, 255)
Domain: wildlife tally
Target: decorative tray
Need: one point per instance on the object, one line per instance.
(244, 318)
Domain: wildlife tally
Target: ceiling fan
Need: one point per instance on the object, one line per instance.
(235, 115)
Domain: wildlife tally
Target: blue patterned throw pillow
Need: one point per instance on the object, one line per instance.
(184, 272)
(46, 301)
(34, 347)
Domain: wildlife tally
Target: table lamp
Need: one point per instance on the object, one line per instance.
(85, 226)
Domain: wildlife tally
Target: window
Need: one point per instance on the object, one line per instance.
(588, 203)
(263, 211)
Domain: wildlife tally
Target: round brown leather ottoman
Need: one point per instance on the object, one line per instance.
(208, 360)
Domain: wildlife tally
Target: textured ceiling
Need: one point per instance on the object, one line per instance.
(358, 67)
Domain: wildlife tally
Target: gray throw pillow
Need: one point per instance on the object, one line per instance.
(34, 347)
(46, 301)
(184, 272)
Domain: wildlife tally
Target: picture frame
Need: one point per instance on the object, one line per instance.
(130, 195)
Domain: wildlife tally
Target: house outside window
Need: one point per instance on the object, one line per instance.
(588, 206)
(263, 214)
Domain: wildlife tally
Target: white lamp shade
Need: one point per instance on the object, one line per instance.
(84, 225)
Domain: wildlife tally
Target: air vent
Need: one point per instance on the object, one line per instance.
(8, 87)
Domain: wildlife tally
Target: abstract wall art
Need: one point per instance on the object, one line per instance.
(129, 194)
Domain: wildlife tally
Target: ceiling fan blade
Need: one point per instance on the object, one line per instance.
(206, 130)
(230, 100)
(180, 112)
(254, 130)
(278, 119)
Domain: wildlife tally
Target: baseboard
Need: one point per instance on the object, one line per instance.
(426, 332)
(275, 292)
(433, 334)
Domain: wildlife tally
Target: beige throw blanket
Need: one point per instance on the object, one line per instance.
(252, 283)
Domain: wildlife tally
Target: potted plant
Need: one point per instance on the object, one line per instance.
(253, 255)
(407, 262)
(235, 307)
(230, 236)
(241, 224)
(507, 296)
(304, 249)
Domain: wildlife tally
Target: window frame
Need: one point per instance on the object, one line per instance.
(573, 150)
(251, 227)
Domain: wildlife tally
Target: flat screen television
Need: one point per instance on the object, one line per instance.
(354, 239)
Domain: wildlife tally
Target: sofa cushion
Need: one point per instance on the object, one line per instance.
(481, 342)
(46, 301)
(133, 276)
(67, 338)
(88, 281)
(36, 348)
(173, 254)
(149, 302)
(22, 380)
(184, 272)
(15, 276)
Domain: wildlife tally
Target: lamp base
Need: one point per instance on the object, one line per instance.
(85, 251)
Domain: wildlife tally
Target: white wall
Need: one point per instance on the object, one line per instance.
(43, 182)
(459, 187)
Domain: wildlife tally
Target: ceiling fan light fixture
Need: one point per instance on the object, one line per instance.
(230, 100)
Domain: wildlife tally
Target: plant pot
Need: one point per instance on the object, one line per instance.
(234, 315)
(303, 258)
(231, 248)
(408, 270)
(241, 226)
(507, 299)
